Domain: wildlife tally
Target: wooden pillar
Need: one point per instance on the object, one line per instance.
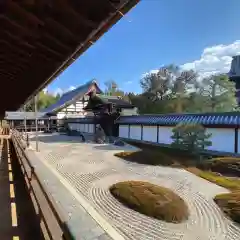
(236, 141)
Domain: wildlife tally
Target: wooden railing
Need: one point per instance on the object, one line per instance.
(32, 128)
(52, 222)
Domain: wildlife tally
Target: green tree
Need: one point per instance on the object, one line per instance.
(44, 100)
(111, 88)
(157, 85)
(190, 137)
(219, 93)
(170, 84)
(183, 83)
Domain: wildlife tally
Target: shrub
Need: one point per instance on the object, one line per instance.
(152, 200)
(227, 165)
(230, 204)
(229, 183)
(191, 137)
(146, 157)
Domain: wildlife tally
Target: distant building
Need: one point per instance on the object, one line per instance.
(71, 104)
(27, 120)
(234, 75)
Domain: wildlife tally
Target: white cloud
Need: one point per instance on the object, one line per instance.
(128, 82)
(58, 91)
(151, 71)
(71, 88)
(215, 59)
(62, 91)
(45, 90)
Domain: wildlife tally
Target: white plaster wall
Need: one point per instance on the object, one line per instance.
(61, 115)
(74, 125)
(135, 132)
(81, 127)
(123, 131)
(91, 128)
(71, 125)
(87, 128)
(129, 112)
(150, 133)
(164, 135)
(222, 139)
(238, 140)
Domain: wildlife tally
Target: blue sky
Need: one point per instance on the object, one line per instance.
(200, 34)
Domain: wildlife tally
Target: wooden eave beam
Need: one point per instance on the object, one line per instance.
(57, 42)
(14, 38)
(16, 8)
(19, 49)
(18, 27)
(57, 27)
(49, 50)
(66, 9)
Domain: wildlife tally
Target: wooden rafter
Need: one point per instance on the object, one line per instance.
(39, 38)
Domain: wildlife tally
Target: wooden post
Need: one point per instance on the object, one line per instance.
(36, 123)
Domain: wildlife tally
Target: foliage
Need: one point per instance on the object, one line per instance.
(152, 200)
(44, 100)
(192, 137)
(230, 204)
(112, 89)
(218, 93)
(169, 83)
(146, 106)
(173, 90)
(225, 165)
(229, 183)
(157, 85)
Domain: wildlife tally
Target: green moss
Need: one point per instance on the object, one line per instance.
(230, 204)
(151, 200)
(208, 169)
(231, 184)
(146, 157)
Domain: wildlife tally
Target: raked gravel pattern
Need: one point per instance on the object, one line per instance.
(92, 169)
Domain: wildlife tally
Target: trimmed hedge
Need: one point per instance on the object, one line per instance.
(152, 200)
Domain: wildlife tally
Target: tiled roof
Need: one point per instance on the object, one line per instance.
(118, 102)
(88, 120)
(71, 96)
(230, 118)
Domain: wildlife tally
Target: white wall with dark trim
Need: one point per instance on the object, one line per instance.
(223, 139)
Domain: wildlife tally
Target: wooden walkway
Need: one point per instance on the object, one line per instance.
(17, 216)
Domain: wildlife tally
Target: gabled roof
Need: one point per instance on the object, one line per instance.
(71, 96)
(227, 119)
(99, 100)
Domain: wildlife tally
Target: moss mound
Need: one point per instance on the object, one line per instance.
(230, 204)
(146, 157)
(229, 183)
(152, 200)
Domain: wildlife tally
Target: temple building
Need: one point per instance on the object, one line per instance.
(72, 103)
(234, 75)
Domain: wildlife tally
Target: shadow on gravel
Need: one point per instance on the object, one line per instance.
(58, 139)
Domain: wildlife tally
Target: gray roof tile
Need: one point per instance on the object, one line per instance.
(70, 96)
(228, 118)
